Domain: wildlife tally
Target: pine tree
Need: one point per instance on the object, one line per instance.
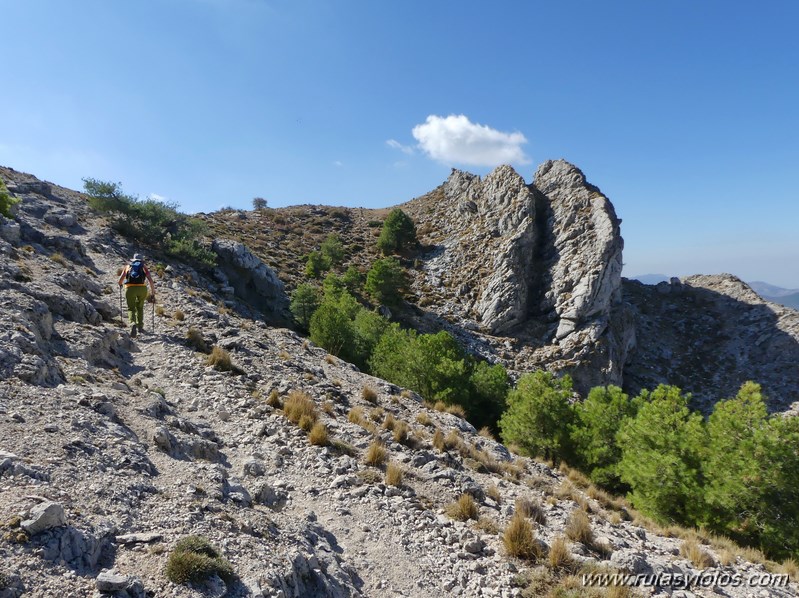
(661, 450)
(385, 281)
(304, 302)
(398, 233)
(597, 420)
(332, 249)
(538, 416)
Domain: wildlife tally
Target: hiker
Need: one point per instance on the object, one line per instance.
(135, 276)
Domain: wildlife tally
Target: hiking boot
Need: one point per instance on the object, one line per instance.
(133, 331)
(141, 328)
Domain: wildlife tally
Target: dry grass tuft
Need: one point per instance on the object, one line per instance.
(368, 393)
(179, 315)
(693, 551)
(575, 475)
(519, 539)
(727, 558)
(566, 491)
(355, 415)
(376, 454)
(789, 566)
(578, 527)
(531, 509)
(300, 409)
(219, 359)
(376, 414)
(457, 411)
(330, 408)
(424, 419)
(390, 422)
(343, 448)
(464, 508)
(452, 440)
(560, 557)
(485, 432)
(401, 430)
(512, 471)
(438, 441)
(318, 435)
(306, 422)
(273, 400)
(394, 474)
(487, 525)
(194, 338)
(493, 493)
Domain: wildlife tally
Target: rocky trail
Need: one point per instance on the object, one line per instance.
(113, 449)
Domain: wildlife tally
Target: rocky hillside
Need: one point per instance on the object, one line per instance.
(530, 276)
(113, 449)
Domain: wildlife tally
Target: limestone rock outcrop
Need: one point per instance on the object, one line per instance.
(251, 279)
(540, 264)
(489, 253)
(583, 247)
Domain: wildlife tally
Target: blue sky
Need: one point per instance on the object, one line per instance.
(685, 113)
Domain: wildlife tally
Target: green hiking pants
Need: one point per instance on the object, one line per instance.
(136, 297)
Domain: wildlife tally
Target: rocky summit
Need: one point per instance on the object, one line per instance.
(530, 276)
(116, 452)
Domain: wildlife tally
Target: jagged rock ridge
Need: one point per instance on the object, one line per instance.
(539, 263)
(530, 275)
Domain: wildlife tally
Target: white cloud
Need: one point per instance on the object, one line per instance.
(338, 163)
(455, 139)
(156, 197)
(405, 149)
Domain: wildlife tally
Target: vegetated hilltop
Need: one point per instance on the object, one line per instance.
(530, 276)
(218, 446)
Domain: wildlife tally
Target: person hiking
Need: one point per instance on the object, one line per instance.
(135, 276)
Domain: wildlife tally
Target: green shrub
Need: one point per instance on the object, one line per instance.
(150, 222)
(538, 416)
(385, 281)
(332, 249)
(305, 301)
(353, 279)
(316, 264)
(6, 201)
(435, 366)
(398, 233)
(194, 559)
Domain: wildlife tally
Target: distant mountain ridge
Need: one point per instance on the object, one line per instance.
(650, 278)
(769, 292)
(775, 294)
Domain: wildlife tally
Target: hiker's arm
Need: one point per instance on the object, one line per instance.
(122, 278)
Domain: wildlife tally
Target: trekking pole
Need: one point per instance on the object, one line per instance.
(152, 321)
(121, 319)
